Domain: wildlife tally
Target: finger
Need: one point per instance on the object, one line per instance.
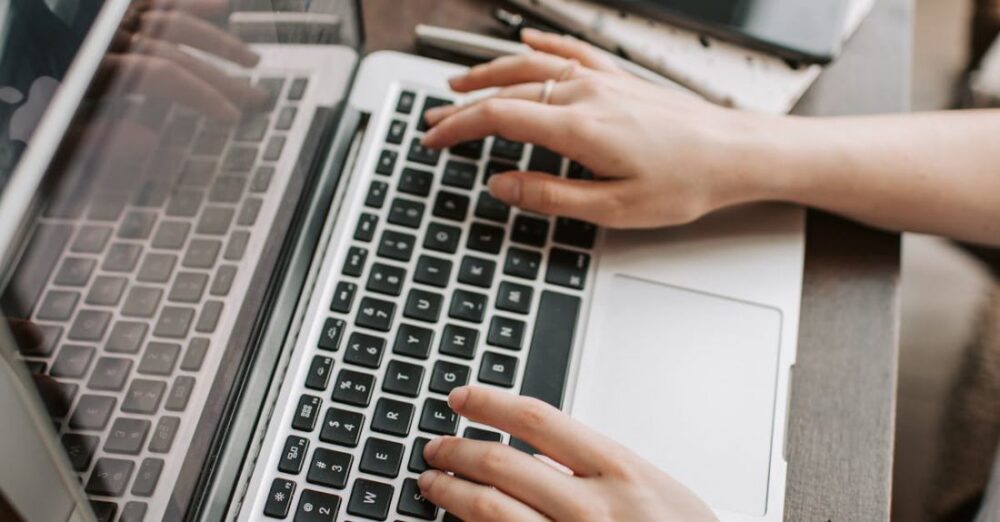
(180, 27)
(159, 77)
(240, 93)
(561, 95)
(545, 428)
(592, 201)
(514, 69)
(519, 475)
(513, 119)
(203, 8)
(571, 48)
(472, 502)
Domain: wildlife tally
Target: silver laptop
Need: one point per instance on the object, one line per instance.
(262, 319)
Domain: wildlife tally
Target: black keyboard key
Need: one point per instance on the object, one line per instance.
(530, 230)
(36, 265)
(80, 449)
(298, 89)
(354, 388)
(185, 203)
(144, 396)
(365, 231)
(330, 468)
(104, 511)
(157, 268)
(370, 499)
(286, 118)
(417, 463)
(319, 373)
(406, 213)
(442, 238)
(342, 427)
(498, 369)
(491, 208)
(413, 341)
(438, 418)
(171, 235)
(215, 221)
(227, 189)
(424, 155)
(89, 325)
(354, 265)
(447, 376)
(174, 322)
(577, 171)
(180, 393)
(163, 434)
(142, 301)
(279, 498)
(430, 103)
(121, 257)
(449, 205)
(202, 253)
(469, 149)
(468, 306)
(159, 358)
(147, 477)
(459, 341)
(506, 333)
(376, 194)
(316, 506)
(375, 314)
(416, 182)
(485, 238)
(432, 271)
(567, 268)
(412, 503)
(110, 477)
(460, 174)
(293, 455)
(386, 279)
(544, 160)
(252, 129)
(403, 378)
(397, 129)
(307, 412)
(343, 297)
(497, 167)
(364, 350)
(133, 511)
(574, 232)
(396, 245)
(474, 433)
(407, 99)
(506, 149)
(515, 298)
(331, 334)
(382, 457)
(195, 354)
(73, 361)
(75, 271)
(386, 162)
(547, 366)
(423, 306)
(477, 271)
(239, 159)
(392, 417)
(110, 373)
(106, 291)
(273, 149)
(91, 239)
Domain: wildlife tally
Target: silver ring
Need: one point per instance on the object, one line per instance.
(550, 85)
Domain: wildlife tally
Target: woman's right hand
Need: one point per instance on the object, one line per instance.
(660, 157)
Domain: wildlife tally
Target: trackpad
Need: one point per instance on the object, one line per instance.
(687, 380)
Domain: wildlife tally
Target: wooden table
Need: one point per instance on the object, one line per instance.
(844, 389)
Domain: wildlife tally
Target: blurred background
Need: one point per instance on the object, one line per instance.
(946, 316)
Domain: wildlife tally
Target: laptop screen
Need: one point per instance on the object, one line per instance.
(143, 225)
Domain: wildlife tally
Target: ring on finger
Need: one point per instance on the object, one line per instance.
(547, 88)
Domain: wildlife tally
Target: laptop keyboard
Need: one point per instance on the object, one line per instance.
(129, 291)
(440, 285)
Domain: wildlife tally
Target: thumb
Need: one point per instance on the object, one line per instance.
(593, 201)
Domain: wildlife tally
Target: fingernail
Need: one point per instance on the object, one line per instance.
(456, 79)
(428, 138)
(457, 397)
(506, 189)
(433, 114)
(427, 478)
(431, 448)
(530, 31)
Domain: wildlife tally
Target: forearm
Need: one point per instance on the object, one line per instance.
(936, 173)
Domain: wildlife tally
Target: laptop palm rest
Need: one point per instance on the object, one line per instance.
(688, 381)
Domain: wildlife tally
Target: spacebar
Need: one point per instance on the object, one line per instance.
(551, 346)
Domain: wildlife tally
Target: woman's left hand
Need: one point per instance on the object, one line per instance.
(594, 478)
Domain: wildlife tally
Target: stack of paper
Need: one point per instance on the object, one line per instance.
(722, 72)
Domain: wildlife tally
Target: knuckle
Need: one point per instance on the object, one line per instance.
(494, 460)
(485, 506)
(534, 416)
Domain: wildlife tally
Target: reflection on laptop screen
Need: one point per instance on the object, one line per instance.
(33, 65)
